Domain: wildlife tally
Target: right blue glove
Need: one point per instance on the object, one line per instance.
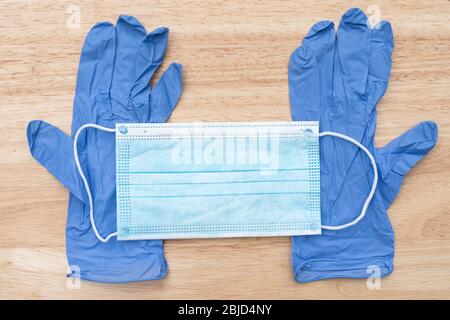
(338, 79)
(115, 68)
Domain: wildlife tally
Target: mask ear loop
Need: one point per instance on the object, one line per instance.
(83, 177)
(374, 184)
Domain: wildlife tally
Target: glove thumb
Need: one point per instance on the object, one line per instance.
(53, 149)
(165, 95)
(399, 156)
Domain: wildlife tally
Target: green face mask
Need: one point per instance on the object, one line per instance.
(217, 180)
(199, 180)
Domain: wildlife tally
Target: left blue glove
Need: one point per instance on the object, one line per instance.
(338, 79)
(116, 65)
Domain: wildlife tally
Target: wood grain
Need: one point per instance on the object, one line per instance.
(235, 56)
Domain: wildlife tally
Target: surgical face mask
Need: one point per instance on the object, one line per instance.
(217, 180)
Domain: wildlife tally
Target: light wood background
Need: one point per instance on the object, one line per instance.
(235, 56)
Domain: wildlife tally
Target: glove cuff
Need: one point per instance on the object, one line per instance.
(329, 269)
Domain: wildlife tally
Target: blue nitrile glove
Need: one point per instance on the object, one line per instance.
(337, 79)
(116, 65)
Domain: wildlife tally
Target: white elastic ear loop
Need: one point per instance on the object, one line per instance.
(86, 184)
(374, 184)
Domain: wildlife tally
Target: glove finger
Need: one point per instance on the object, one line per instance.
(310, 73)
(398, 157)
(149, 57)
(53, 149)
(129, 34)
(351, 114)
(353, 53)
(96, 62)
(382, 45)
(165, 95)
(303, 75)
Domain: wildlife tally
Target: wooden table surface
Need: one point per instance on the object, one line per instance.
(235, 56)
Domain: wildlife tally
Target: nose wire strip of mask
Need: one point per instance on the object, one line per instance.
(321, 134)
(86, 184)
